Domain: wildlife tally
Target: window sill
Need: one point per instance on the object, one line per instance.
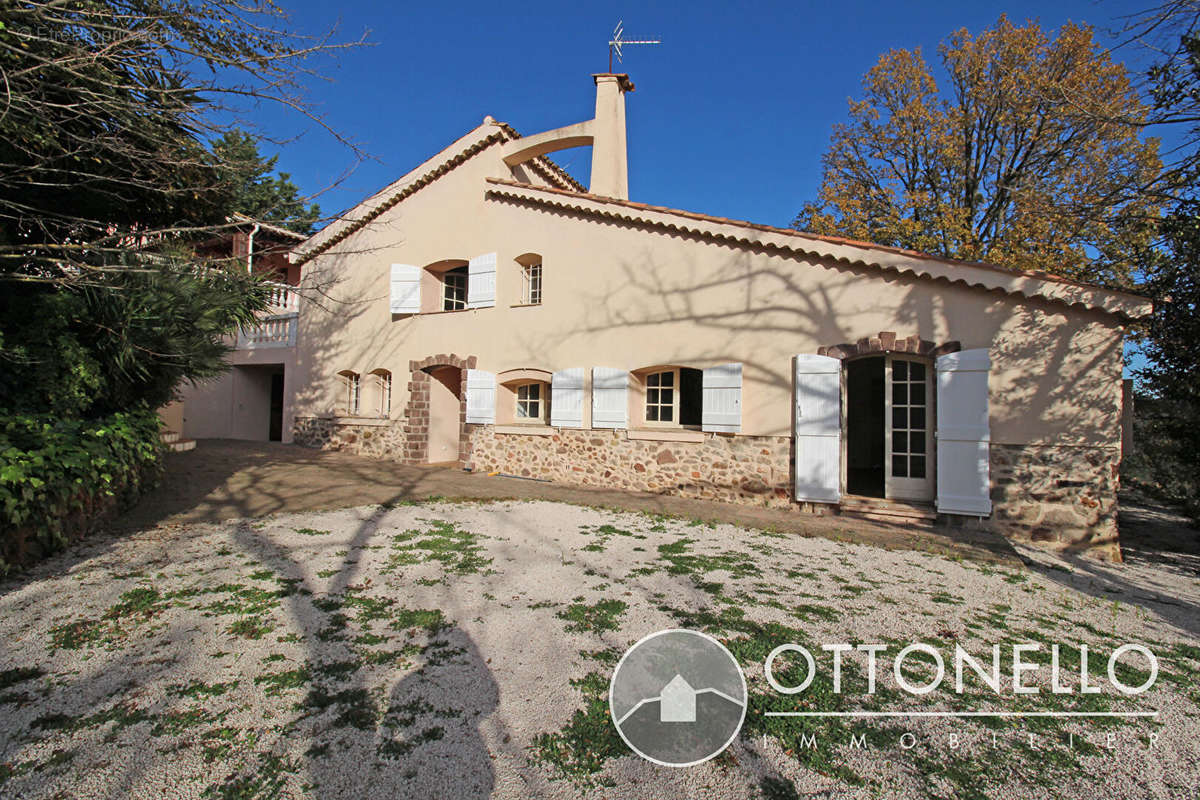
(450, 311)
(342, 419)
(526, 305)
(666, 435)
(528, 430)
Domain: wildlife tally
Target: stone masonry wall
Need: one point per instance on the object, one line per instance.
(741, 469)
(367, 437)
(1063, 498)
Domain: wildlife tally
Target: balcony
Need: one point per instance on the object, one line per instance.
(277, 327)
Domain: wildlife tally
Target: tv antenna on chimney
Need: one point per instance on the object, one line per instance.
(615, 45)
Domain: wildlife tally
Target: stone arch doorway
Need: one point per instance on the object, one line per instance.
(437, 410)
(445, 399)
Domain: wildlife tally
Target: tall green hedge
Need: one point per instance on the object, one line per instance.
(59, 478)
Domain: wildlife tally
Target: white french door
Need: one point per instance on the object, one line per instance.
(908, 446)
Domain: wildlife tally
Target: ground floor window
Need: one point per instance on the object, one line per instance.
(350, 392)
(674, 397)
(531, 403)
(383, 392)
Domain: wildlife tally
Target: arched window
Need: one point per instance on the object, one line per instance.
(531, 279)
(381, 393)
(349, 392)
(524, 397)
(671, 396)
(444, 285)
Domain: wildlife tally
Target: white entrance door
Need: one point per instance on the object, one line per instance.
(908, 468)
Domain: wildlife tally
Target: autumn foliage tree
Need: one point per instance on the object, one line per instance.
(1023, 157)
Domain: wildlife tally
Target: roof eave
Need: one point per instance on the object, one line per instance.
(983, 276)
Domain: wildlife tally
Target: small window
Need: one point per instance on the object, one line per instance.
(661, 397)
(531, 283)
(675, 397)
(350, 392)
(454, 289)
(382, 380)
(531, 403)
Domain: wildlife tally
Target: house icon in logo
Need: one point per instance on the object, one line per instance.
(677, 702)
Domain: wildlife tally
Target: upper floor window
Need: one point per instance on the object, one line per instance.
(674, 397)
(530, 265)
(350, 392)
(454, 289)
(531, 284)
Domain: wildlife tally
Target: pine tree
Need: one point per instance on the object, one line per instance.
(256, 190)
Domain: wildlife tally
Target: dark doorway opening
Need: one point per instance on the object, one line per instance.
(865, 422)
(275, 433)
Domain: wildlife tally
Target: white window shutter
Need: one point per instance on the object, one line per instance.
(818, 421)
(481, 397)
(481, 281)
(406, 289)
(610, 398)
(566, 398)
(722, 399)
(963, 433)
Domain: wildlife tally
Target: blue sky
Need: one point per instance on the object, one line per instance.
(730, 117)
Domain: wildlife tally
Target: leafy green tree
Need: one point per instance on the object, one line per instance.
(106, 182)
(255, 188)
(107, 106)
(1024, 158)
(92, 350)
(1168, 417)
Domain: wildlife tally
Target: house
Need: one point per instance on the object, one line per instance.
(488, 311)
(677, 702)
(250, 400)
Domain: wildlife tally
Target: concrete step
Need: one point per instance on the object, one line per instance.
(880, 510)
(181, 445)
(169, 436)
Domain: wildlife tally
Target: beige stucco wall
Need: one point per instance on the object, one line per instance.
(621, 296)
(236, 405)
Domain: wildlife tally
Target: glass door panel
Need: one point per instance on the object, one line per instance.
(910, 414)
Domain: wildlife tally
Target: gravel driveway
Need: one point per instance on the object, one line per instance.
(464, 650)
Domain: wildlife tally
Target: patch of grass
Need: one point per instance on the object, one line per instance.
(142, 602)
(220, 743)
(175, 722)
(398, 748)
(199, 689)
(603, 533)
(11, 677)
(265, 779)
(596, 618)
(431, 620)
(355, 707)
(681, 560)
(251, 628)
(457, 550)
(773, 788)
(277, 683)
(337, 670)
(312, 532)
(578, 751)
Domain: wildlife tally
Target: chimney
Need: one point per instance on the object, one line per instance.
(610, 166)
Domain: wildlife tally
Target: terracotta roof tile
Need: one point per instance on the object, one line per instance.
(693, 215)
